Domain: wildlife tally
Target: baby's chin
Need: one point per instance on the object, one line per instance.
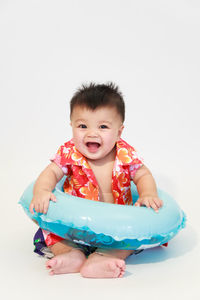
(101, 156)
(96, 155)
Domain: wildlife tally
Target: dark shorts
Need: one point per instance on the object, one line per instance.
(42, 249)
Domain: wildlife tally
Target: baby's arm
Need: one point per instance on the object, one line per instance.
(42, 192)
(146, 188)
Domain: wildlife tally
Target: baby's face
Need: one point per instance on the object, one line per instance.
(95, 132)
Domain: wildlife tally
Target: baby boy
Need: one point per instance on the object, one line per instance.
(99, 166)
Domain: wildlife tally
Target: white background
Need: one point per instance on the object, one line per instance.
(151, 50)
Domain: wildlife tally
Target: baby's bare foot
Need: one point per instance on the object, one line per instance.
(100, 266)
(70, 262)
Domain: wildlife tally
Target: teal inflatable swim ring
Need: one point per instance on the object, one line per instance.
(106, 225)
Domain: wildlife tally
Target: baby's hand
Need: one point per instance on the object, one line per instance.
(150, 201)
(40, 201)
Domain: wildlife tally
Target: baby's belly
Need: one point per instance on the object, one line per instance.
(107, 197)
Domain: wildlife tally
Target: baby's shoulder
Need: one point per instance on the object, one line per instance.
(123, 144)
(66, 150)
(68, 144)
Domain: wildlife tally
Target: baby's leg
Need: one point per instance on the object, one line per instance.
(67, 259)
(106, 264)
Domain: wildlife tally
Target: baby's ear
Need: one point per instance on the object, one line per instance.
(120, 131)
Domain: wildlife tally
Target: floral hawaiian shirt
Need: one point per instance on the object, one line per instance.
(81, 182)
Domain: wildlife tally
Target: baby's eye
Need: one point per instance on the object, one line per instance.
(82, 126)
(103, 126)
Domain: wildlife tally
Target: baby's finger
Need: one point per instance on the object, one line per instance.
(36, 207)
(158, 202)
(40, 208)
(139, 202)
(146, 202)
(31, 208)
(154, 206)
(53, 198)
(45, 207)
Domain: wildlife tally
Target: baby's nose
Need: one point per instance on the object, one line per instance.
(92, 133)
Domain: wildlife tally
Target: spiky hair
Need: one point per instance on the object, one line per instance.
(93, 96)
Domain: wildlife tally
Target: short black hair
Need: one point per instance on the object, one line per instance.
(94, 96)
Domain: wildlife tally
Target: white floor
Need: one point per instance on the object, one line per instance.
(160, 272)
(151, 50)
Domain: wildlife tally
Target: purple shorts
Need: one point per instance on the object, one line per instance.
(42, 249)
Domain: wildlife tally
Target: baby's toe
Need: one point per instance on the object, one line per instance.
(118, 268)
(51, 263)
(51, 273)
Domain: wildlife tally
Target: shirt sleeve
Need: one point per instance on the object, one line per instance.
(59, 160)
(136, 164)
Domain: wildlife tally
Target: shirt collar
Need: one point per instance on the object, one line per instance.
(74, 157)
(125, 155)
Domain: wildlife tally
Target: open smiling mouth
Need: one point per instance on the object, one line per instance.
(92, 147)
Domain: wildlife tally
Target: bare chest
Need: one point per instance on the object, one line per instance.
(103, 175)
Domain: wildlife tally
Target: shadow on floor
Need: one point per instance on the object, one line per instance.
(185, 242)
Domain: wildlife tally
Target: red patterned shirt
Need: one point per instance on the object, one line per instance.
(81, 182)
